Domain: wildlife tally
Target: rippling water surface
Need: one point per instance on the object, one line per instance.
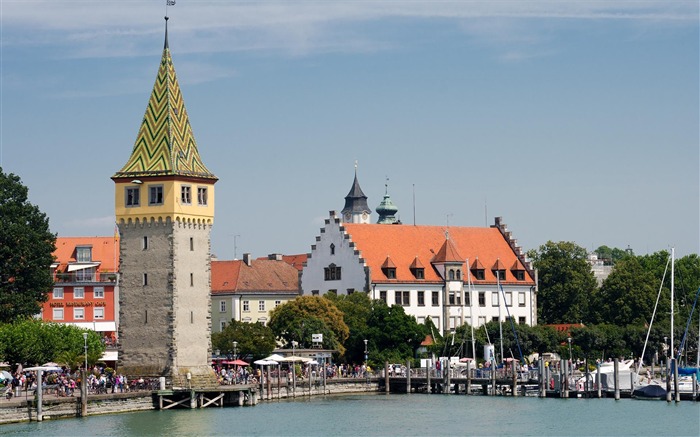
(395, 414)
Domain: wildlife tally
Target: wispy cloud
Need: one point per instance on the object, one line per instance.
(91, 223)
(125, 28)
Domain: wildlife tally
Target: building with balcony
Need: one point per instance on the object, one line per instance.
(85, 291)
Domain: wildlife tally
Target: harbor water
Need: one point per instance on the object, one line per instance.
(389, 415)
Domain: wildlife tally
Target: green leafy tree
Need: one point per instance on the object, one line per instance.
(26, 248)
(32, 341)
(566, 282)
(253, 339)
(627, 295)
(356, 308)
(393, 335)
(298, 319)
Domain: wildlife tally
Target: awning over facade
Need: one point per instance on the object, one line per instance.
(96, 326)
(110, 356)
(80, 266)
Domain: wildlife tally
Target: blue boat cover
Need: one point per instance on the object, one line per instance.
(651, 391)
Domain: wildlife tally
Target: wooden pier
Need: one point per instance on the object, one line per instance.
(225, 395)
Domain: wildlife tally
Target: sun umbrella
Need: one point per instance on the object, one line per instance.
(274, 357)
(294, 359)
(266, 362)
(5, 375)
(238, 362)
(465, 359)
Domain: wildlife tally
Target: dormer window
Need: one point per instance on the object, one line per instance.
(499, 270)
(417, 269)
(518, 271)
(389, 268)
(83, 254)
(477, 270)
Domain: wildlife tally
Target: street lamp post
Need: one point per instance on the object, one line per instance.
(366, 364)
(571, 361)
(83, 381)
(235, 345)
(294, 370)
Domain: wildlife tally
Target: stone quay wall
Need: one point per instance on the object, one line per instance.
(61, 408)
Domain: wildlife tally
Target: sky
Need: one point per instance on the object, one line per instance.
(572, 120)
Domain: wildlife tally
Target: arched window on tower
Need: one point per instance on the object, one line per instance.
(451, 275)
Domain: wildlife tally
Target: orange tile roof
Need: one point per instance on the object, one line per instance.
(448, 253)
(105, 250)
(403, 243)
(296, 261)
(262, 275)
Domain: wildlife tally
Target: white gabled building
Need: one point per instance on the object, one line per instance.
(453, 275)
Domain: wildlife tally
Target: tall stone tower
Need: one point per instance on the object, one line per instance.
(164, 206)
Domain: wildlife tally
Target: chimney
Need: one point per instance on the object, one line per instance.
(275, 257)
(247, 259)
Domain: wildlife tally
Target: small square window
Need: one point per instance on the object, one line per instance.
(261, 305)
(132, 196)
(78, 313)
(521, 320)
(98, 292)
(58, 313)
(436, 298)
(246, 305)
(155, 195)
(202, 196)
(278, 303)
(521, 299)
(186, 195)
(79, 293)
(494, 299)
(382, 295)
(482, 299)
(222, 306)
(98, 313)
(58, 293)
(421, 298)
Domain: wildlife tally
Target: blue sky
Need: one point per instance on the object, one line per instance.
(573, 120)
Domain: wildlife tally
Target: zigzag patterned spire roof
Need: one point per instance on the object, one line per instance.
(165, 145)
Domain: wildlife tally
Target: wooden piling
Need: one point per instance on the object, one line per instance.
(428, 369)
(597, 382)
(616, 377)
(542, 377)
(408, 376)
(447, 371)
(675, 380)
(386, 377)
(587, 388)
(668, 380)
(83, 392)
(468, 388)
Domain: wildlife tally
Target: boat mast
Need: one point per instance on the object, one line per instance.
(471, 310)
(673, 259)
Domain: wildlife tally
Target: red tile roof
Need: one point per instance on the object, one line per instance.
(262, 275)
(296, 261)
(403, 243)
(448, 253)
(105, 250)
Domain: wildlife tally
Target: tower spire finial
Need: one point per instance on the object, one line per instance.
(165, 46)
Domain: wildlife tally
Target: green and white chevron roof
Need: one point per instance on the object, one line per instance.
(165, 145)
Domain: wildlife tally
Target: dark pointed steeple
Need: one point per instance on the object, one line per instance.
(356, 209)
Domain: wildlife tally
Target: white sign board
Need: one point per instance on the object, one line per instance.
(317, 338)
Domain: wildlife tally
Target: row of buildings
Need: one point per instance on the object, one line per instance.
(453, 275)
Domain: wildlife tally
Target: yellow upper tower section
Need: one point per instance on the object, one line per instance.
(164, 176)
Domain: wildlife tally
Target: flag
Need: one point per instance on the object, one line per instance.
(171, 2)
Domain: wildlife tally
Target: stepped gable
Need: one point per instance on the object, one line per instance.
(405, 243)
(165, 144)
